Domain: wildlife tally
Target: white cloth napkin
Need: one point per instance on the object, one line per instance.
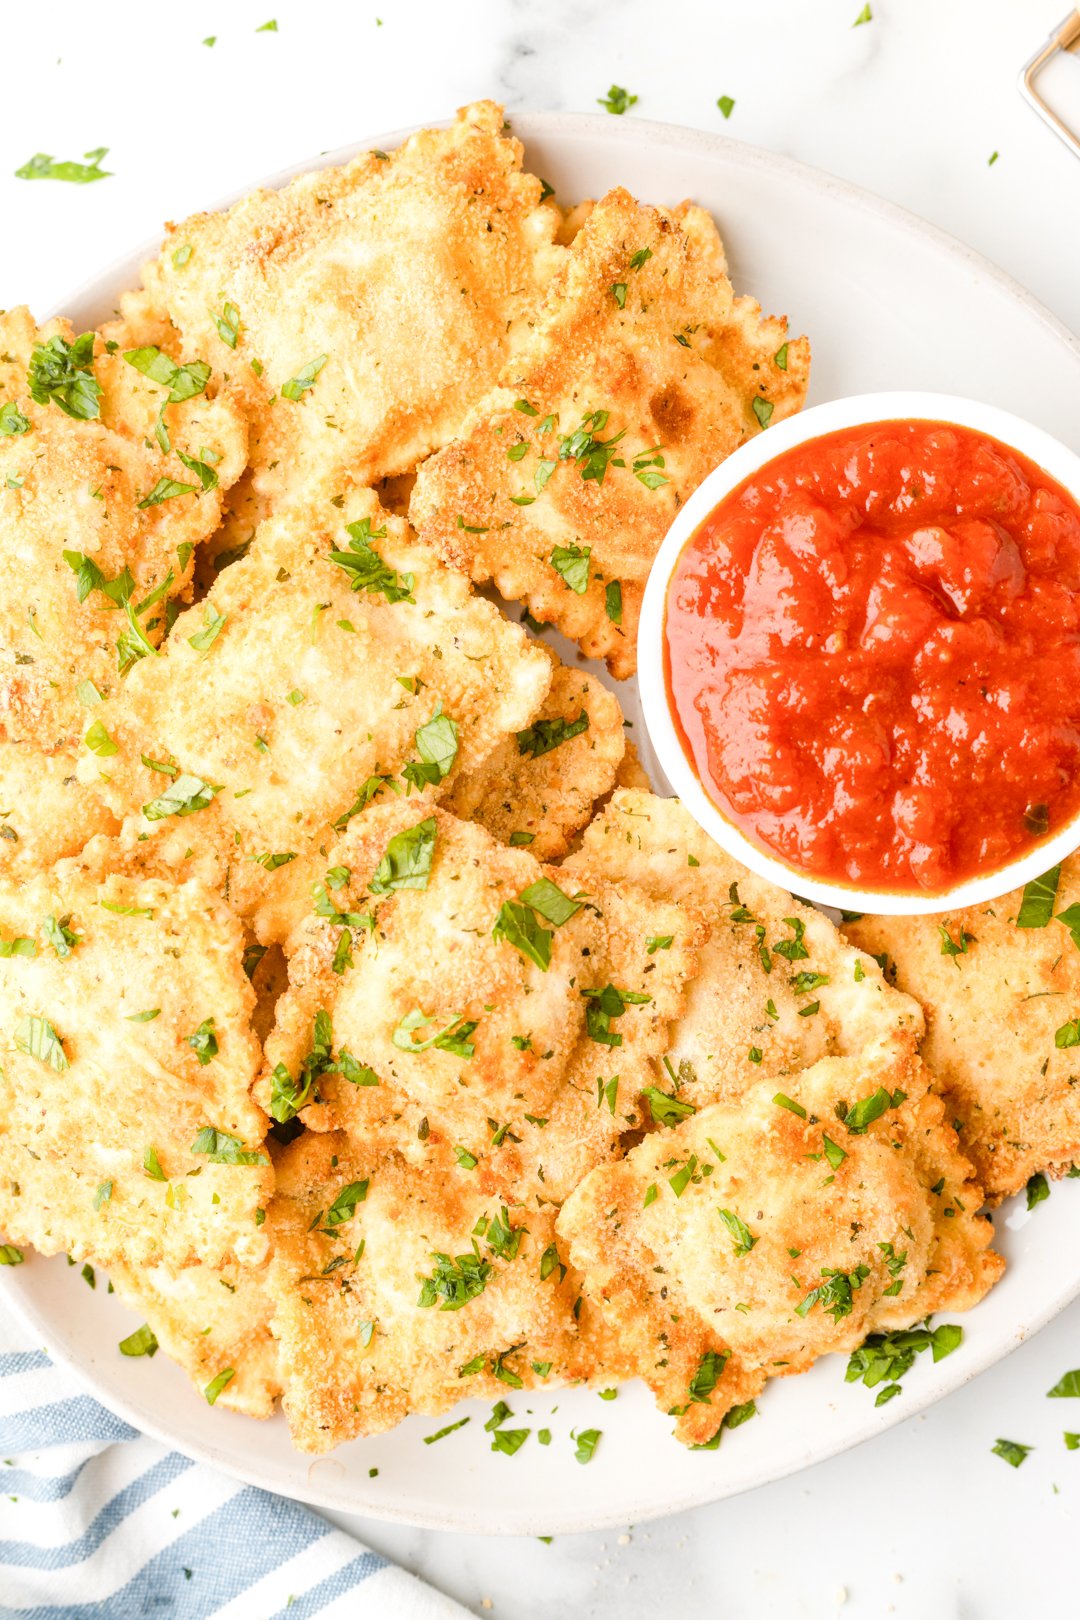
(97, 1522)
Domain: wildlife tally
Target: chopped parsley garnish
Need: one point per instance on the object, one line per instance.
(665, 1109)
(613, 601)
(44, 167)
(270, 860)
(793, 949)
(835, 1294)
(289, 1096)
(37, 1038)
(60, 936)
(1068, 1034)
(213, 623)
(571, 563)
(304, 379)
(762, 409)
(406, 862)
(618, 292)
(780, 362)
(454, 1281)
(1011, 1451)
(517, 925)
(12, 421)
(741, 1236)
(222, 1149)
(726, 105)
(865, 16)
(1038, 1190)
(659, 942)
(586, 1439)
(863, 1113)
(1037, 904)
(441, 1434)
(603, 1006)
(10, 1255)
(166, 489)
(884, 1358)
(617, 100)
(152, 1165)
(509, 1441)
(17, 947)
(953, 947)
(216, 1385)
(592, 454)
(550, 901)
(544, 735)
(99, 742)
(182, 797)
(183, 382)
(63, 373)
(707, 1376)
(345, 1204)
(437, 745)
(228, 325)
(369, 572)
(143, 1342)
(453, 1038)
(1067, 1385)
(204, 1043)
(790, 1104)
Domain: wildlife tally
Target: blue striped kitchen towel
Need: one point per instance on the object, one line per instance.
(97, 1522)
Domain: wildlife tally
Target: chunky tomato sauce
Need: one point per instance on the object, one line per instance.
(873, 655)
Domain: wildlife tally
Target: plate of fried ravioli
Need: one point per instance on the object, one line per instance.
(404, 1099)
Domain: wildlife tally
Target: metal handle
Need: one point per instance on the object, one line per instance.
(1066, 37)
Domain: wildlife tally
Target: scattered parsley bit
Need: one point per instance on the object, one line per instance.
(454, 1038)
(37, 1038)
(12, 421)
(665, 1109)
(146, 1017)
(741, 1235)
(10, 1255)
(952, 947)
(228, 325)
(181, 798)
(166, 489)
(1038, 1189)
(216, 1385)
(143, 1342)
(99, 742)
(222, 1149)
(270, 860)
(1067, 1385)
(17, 947)
(304, 379)
(617, 101)
(790, 1104)
(659, 942)
(603, 1006)
(437, 744)
(544, 735)
(586, 1438)
(865, 16)
(103, 1194)
(1011, 1451)
(454, 1282)
(204, 1042)
(406, 862)
(60, 936)
(268, 27)
(835, 1294)
(1037, 904)
(43, 167)
(726, 105)
(369, 572)
(571, 563)
(63, 373)
(992, 159)
(1068, 1034)
(440, 1434)
(618, 292)
(762, 409)
(592, 454)
(613, 601)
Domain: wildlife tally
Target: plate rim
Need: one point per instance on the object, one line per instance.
(673, 138)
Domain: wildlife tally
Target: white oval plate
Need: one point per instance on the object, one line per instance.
(889, 303)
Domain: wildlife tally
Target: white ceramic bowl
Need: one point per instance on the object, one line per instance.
(1053, 457)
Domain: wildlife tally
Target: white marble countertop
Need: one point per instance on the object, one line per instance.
(924, 1523)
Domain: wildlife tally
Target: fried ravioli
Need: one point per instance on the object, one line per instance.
(365, 308)
(338, 663)
(449, 990)
(755, 1236)
(777, 986)
(401, 1289)
(214, 1324)
(96, 514)
(127, 1131)
(641, 373)
(539, 788)
(1001, 1003)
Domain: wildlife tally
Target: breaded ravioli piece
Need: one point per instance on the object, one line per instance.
(338, 664)
(640, 374)
(755, 1236)
(399, 1289)
(46, 812)
(100, 519)
(1000, 987)
(127, 1130)
(449, 989)
(213, 1323)
(365, 308)
(538, 788)
(777, 986)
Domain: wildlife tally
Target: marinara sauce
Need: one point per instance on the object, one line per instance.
(873, 655)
